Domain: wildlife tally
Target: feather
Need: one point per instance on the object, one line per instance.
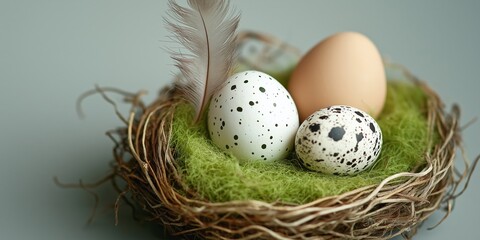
(206, 28)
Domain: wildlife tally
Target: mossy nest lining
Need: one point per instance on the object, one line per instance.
(168, 166)
(221, 177)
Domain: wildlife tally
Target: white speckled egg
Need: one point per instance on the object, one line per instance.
(253, 117)
(339, 140)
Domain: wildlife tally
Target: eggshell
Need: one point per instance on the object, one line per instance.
(338, 140)
(253, 117)
(344, 69)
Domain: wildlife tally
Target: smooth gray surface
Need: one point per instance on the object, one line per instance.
(52, 51)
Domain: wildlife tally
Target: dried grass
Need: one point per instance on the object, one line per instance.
(146, 161)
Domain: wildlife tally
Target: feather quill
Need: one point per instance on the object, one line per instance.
(207, 29)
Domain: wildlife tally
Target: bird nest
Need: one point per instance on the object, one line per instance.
(146, 160)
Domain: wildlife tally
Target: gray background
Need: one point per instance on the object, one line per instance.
(52, 51)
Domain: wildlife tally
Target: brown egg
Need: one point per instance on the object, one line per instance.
(344, 69)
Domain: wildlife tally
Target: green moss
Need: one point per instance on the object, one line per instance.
(220, 177)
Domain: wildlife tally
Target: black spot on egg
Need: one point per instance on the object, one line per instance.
(358, 120)
(262, 89)
(227, 147)
(314, 127)
(239, 109)
(233, 87)
(336, 133)
(264, 146)
(323, 117)
(359, 114)
(251, 103)
(372, 127)
(235, 137)
(246, 81)
(359, 137)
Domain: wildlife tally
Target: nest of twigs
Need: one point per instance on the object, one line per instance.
(146, 161)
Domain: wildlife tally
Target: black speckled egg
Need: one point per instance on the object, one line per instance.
(253, 117)
(339, 140)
